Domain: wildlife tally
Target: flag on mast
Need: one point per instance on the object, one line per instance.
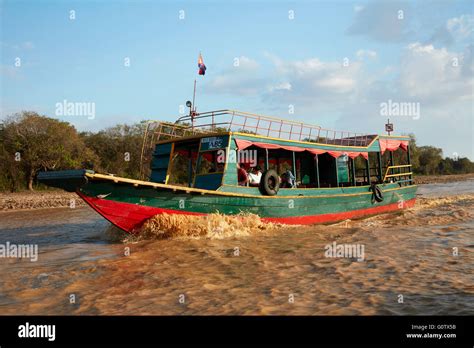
(201, 66)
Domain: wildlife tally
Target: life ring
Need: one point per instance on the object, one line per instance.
(269, 183)
(378, 193)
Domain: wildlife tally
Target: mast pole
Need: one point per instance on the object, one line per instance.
(193, 107)
(194, 95)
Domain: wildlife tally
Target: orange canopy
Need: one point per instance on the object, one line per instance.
(243, 144)
(392, 145)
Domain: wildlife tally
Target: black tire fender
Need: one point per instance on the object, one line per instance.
(269, 183)
(378, 193)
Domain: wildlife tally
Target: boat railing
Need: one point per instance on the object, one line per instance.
(244, 122)
(401, 173)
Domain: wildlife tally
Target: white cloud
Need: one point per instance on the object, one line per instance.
(435, 75)
(461, 27)
(426, 74)
(337, 84)
(313, 77)
(455, 29)
(243, 78)
(246, 63)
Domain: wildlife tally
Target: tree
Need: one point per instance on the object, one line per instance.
(429, 159)
(42, 143)
(446, 166)
(463, 165)
(11, 174)
(119, 148)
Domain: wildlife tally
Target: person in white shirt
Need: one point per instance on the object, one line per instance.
(255, 176)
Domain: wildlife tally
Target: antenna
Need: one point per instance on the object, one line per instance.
(388, 127)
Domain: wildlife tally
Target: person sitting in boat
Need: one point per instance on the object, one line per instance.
(255, 176)
(242, 176)
(288, 180)
(220, 167)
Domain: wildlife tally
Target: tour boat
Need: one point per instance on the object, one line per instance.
(196, 166)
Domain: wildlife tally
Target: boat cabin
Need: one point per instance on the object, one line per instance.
(214, 150)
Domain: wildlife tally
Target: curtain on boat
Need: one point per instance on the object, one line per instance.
(336, 154)
(392, 145)
(243, 144)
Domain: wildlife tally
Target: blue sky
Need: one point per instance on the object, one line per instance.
(283, 61)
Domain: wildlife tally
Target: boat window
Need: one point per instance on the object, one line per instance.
(183, 162)
(360, 164)
(306, 170)
(394, 158)
(327, 170)
(209, 163)
(251, 160)
(374, 167)
(280, 165)
(281, 161)
(399, 157)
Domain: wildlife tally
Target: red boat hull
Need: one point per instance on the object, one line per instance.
(130, 217)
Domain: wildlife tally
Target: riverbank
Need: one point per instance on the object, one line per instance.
(38, 200)
(62, 199)
(436, 179)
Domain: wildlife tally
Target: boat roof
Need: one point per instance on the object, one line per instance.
(267, 129)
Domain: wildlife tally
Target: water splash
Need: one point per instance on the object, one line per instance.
(220, 226)
(425, 203)
(212, 226)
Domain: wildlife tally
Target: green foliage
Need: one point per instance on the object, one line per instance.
(428, 160)
(119, 149)
(30, 143)
(456, 166)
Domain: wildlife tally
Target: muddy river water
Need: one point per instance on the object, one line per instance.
(417, 261)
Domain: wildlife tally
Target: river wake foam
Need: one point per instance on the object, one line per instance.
(212, 226)
(428, 211)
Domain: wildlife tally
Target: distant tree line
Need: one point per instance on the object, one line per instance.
(429, 160)
(30, 143)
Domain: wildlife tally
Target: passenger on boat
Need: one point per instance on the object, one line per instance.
(288, 180)
(255, 176)
(242, 176)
